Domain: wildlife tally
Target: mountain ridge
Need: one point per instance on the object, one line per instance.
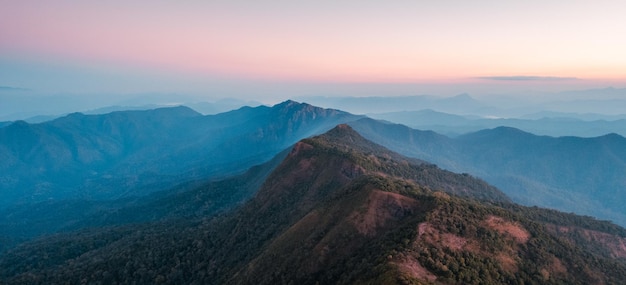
(548, 123)
(339, 209)
(134, 149)
(581, 175)
(591, 189)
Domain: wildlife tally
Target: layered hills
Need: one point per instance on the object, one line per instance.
(545, 123)
(81, 170)
(131, 153)
(581, 175)
(340, 209)
(94, 170)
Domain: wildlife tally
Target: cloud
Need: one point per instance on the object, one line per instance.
(527, 78)
(9, 89)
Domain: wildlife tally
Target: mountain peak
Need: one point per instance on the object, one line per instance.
(343, 132)
(344, 138)
(294, 106)
(289, 103)
(374, 158)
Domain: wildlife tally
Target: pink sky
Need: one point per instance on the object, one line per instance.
(430, 42)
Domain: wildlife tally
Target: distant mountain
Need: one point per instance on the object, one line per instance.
(118, 108)
(607, 101)
(206, 108)
(586, 172)
(552, 125)
(611, 106)
(203, 107)
(43, 117)
(579, 116)
(137, 152)
(342, 210)
(220, 106)
(460, 104)
(581, 175)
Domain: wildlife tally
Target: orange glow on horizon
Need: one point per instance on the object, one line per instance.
(352, 42)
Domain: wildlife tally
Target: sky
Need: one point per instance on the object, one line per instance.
(270, 50)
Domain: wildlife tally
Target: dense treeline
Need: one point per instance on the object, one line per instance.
(212, 251)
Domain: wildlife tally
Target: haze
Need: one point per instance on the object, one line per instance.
(108, 52)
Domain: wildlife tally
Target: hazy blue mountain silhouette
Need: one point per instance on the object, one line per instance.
(582, 175)
(137, 152)
(462, 103)
(546, 123)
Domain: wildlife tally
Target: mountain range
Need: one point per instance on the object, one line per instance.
(545, 123)
(71, 172)
(605, 104)
(337, 209)
(131, 153)
(249, 196)
(459, 104)
(581, 175)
